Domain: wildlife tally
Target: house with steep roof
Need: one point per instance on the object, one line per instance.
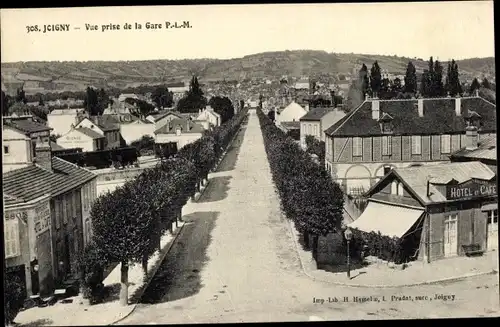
(383, 134)
(20, 136)
(316, 121)
(60, 120)
(208, 118)
(178, 131)
(437, 211)
(136, 129)
(82, 137)
(46, 220)
(99, 132)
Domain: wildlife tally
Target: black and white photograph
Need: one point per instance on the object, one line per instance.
(243, 163)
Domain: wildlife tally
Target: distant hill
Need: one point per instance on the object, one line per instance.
(75, 76)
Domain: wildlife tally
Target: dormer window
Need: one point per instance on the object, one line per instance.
(385, 122)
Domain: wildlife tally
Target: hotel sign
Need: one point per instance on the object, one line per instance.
(470, 189)
(42, 218)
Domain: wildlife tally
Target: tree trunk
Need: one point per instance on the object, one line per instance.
(180, 214)
(145, 264)
(307, 240)
(124, 284)
(171, 228)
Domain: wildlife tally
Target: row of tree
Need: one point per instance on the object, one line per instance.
(308, 195)
(129, 222)
(433, 83)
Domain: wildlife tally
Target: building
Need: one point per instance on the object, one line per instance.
(47, 219)
(208, 118)
(136, 129)
(61, 120)
(82, 137)
(20, 137)
(316, 121)
(302, 84)
(484, 151)
(383, 134)
(179, 131)
(95, 132)
(291, 113)
(437, 211)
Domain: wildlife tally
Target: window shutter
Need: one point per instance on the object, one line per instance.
(64, 200)
(11, 235)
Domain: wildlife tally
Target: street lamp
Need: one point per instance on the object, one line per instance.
(348, 237)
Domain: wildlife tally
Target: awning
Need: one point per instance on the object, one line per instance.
(489, 206)
(389, 220)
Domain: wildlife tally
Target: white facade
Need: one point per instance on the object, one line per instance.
(136, 130)
(112, 137)
(17, 151)
(88, 196)
(60, 120)
(77, 139)
(207, 117)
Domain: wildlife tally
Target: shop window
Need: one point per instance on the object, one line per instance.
(11, 238)
(357, 146)
(445, 144)
(416, 144)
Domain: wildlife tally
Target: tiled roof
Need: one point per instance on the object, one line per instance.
(108, 122)
(438, 117)
(416, 177)
(170, 127)
(90, 133)
(315, 114)
(487, 149)
(26, 184)
(163, 114)
(290, 125)
(26, 125)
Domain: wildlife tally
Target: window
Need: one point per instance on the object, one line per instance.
(357, 146)
(85, 197)
(58, 209)
(445, 143)
(386, 145)
(492, 220)
(315, 130)
(11, 238)
(396, 188)
(416, 144)
(386, 127)
(178, 131)
(5, 149)
(69, 199)
(309, 129)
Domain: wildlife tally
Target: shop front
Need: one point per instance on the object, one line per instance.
(27, 244)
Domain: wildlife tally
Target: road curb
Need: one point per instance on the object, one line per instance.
(134, 306)
(436, 281)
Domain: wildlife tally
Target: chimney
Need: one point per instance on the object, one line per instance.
(471, 138)
(420, 106)
(43, 154)
(458, 106)
(375, 109)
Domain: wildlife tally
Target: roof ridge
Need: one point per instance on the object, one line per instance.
(347, 117)
(73, 164)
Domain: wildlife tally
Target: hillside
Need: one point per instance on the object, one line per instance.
(74, 76)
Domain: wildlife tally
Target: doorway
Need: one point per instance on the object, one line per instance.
(450, 235)
(492, 229)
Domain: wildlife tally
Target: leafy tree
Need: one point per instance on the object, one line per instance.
(40, 101)
(438, 87)
(14, 295)
(486, 84)
(144, 145)
(385, 91)
(364, 80)
(454, 86)
(162, 97)
(194, 98)
(5, 104)
(21, 96)
(375, 79)
(397, 86)
(271, 115)
(474, 86)
(317, 147)
(410, 79)
(91, 101)
(222, 106)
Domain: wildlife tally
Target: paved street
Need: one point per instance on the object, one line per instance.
(235, 261)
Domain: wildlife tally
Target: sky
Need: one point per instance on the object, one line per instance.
(445, 30)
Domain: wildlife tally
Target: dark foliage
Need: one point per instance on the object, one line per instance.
(103, 159)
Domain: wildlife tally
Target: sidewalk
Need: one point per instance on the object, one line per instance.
(77, 313)
(381, 275)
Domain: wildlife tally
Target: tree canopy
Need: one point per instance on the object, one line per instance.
(194, 99)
